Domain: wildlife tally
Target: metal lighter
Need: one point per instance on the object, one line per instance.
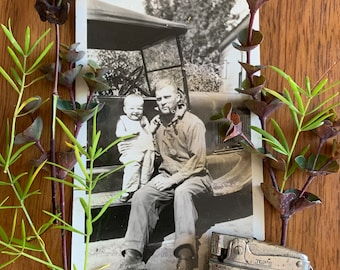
(229, 252)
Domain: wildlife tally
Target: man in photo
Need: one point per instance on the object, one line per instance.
(180, 142)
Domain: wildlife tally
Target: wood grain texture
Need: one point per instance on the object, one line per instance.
(302, 38)
(23, 14)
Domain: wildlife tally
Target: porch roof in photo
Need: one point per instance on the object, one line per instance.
(114, 28)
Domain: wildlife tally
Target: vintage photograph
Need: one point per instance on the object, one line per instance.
(171, 66)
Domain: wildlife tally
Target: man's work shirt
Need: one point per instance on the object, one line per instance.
(182, 147)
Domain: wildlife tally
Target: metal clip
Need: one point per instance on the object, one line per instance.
(229, 252)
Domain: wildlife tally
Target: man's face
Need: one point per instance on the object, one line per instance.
(167, 99)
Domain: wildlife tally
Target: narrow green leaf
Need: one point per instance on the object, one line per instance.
(23, 233)
(106, 174)
(104, 208)
(32, 176)
(27, 101)
(28, 246)
(3, 235)
(99, 152)
(10, 261)
(9, 80)
(41, 56)
(16, 76)
(67, 183)
(272, 141)
(81, 164)
(115, 142)
(72, 138)
(65, 226)
(316, 121)
(69, 228)
(2, 160)
(36, 43)
(319, 87)
(281, 135)
(17, 154)
(11, 38)
(18, 190)
(17, 178)
(4, 201)
(35, 192)
(286, 101)
(89, 227)
(84, 205)
(14, 223)
(331, 86)
(27, 40)
(297, 94)
(43, 228)
(15, 59)
(69, 172)
(279, 71)
(322, 104)
(308, 87)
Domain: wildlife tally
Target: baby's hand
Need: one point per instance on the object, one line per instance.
(124, 146)
(154, 124)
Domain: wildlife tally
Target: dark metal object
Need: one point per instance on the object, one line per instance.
(229, 252)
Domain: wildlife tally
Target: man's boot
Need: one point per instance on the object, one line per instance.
(132, 261)
(185, 259)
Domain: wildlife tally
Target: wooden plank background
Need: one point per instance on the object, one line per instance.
(23, 14)
(301, 37)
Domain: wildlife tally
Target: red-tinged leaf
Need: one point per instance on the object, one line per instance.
(243, 44)
(326, 131)
(95, 84)
(306, 201)
(68, 77)
(280, 201)
(278, 164)
(227, 109)
(254, 5)
(72, 56)
(235, 118)
(53, 12)
(234, 132)
(251, 69)
(30, 134)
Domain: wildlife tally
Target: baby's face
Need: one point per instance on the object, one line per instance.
(134, 109)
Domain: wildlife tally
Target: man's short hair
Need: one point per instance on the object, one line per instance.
(165, 82)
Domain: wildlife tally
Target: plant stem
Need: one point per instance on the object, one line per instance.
(284, 229)
(15, 115)
(89, 214)
(299, 130)
(53, 124)
(249, 38)
(30, 222)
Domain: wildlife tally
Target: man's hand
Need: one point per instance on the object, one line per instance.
(154, 124)
(162, 182)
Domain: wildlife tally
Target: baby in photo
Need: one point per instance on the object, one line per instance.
(139, 158)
